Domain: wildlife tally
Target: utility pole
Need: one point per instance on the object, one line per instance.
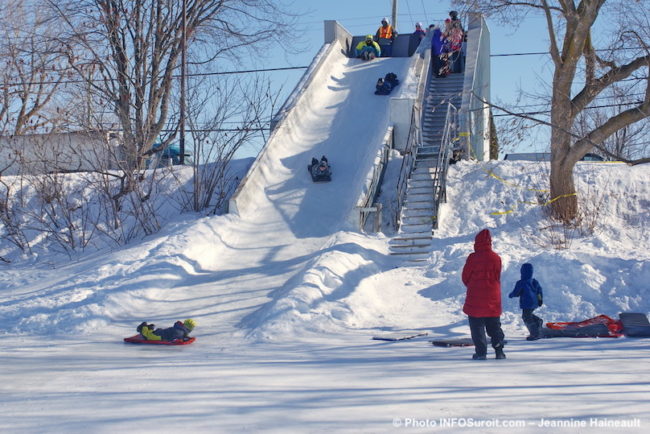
(394, 14)
(183, 62)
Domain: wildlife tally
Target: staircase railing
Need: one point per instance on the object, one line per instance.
(449, 134)
(408, 161)
(366, 205)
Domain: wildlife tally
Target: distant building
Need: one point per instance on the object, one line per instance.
(59, 152)
(546, 156)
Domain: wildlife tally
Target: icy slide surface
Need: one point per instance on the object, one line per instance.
(338, 116)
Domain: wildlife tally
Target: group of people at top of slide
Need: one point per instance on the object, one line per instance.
(379, 45)
(447, 44)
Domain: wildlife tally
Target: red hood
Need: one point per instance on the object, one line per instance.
(483, 241)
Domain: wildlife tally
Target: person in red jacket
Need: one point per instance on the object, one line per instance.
(482, 277)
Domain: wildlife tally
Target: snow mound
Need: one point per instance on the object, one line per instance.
(597, 268)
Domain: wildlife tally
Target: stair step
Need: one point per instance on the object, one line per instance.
(419, 213)
(419, 198)
(421, 190)
(416, 215)
(414, 212)
(428, 200)
(408, 228)
(419, 208)
(412, 247)
(426, 210)
(417, 221)
(417, 218)
(428, 235)
(424, 248)
(424, 239)
(419, 184)
(421, 254)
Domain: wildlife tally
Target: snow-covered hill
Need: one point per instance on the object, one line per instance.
(285, 320)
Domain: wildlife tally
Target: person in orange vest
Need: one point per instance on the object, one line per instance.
(385, 36)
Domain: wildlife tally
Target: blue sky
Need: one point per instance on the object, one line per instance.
(510, 74)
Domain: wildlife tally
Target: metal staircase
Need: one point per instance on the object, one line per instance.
(425, 188)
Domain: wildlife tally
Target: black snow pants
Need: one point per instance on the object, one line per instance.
(491, 325)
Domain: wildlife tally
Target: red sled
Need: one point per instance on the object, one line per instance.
(138, 339)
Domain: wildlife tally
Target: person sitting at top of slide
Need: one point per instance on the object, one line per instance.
(367, 49)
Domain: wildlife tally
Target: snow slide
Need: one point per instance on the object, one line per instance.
(338, 115)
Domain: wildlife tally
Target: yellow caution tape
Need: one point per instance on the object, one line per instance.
(558, 197)
(512, 184)
(510, 211)
(495, 176)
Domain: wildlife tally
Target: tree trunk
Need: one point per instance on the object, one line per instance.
(564, 202)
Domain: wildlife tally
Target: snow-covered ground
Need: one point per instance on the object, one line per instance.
(284, 335)
(287, 298)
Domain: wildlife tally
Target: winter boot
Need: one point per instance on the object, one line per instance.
(533, 330)
(479, 357)
(498, 351)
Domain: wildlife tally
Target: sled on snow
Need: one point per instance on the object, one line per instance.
(635, 325)
(320, 171)
(386, 84)
(139, 339)
(398, 337)
(600, 326)
(453, 342)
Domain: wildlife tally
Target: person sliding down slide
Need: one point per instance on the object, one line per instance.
(320, 170)
(385, 85)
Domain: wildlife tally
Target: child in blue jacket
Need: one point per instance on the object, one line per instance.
(530, 296)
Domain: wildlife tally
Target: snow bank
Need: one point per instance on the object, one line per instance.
(597, 268)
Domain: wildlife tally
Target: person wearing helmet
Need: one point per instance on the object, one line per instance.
(367, 49)
(180, 330)
(385, 36)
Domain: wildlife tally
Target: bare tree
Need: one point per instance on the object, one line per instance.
(627, 144)
(224, 117)
(31, 74)
(134, 49)
(31, 71)
(581, 72)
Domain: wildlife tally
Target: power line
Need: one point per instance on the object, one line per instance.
(537, 53)
(196, 74)
(544, 105)
(542, 112)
